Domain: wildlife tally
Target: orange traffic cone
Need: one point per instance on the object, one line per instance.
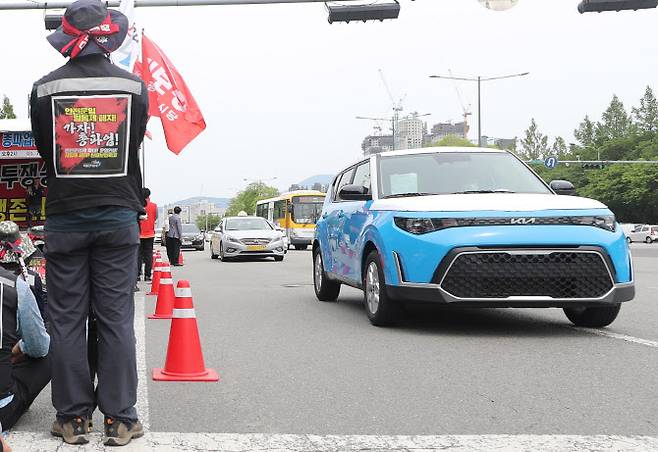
(180, 258)
(165, 303)
(184, 356)
(156, 255)
(155, 281)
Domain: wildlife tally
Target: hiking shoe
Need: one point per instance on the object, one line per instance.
(136, 288)
(73, 431)
(147, 278)
(119, 433)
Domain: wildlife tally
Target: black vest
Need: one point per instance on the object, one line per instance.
(9, 333)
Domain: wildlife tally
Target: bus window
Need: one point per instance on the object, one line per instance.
(279, 210)
(306, 209)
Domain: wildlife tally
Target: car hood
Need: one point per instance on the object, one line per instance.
(254, 234)
(503, 202)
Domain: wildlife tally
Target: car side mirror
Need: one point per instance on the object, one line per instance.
(354, 193)
(563, 187)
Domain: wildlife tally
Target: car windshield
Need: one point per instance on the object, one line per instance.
(191, 229)
(455, 172)
(247, 224)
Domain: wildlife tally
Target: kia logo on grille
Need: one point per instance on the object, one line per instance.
(522, 221)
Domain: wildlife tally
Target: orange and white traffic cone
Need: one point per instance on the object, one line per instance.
(155, 281)
(156, 255)
(180, 258)
(184, 360)
(165, 304)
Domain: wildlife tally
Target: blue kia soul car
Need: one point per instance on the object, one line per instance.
(468, 227)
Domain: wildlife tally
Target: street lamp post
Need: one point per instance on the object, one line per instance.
(479, 81)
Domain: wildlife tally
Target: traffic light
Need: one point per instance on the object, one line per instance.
(373, 11)
(593, 165)
(597, 6)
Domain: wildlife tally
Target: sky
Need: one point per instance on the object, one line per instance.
(280, 87)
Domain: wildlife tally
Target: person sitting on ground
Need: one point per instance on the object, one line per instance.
(24, 343)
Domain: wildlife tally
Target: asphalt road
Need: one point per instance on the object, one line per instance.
(291, 364)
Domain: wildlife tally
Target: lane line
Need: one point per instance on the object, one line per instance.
(196, 442)
(140, 339)
(623, 337)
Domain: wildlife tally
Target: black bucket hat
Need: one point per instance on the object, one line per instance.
(89, 27)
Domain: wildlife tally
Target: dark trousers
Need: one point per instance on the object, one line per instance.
(30, 377)
(96, 269)
(173, 250)
(145, 256)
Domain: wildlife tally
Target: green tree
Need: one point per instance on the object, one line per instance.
(247, 198)
(453, 140)
(616, 122)
(585, 132)
(213, 221)
(646, 116)
(535, 144)
(7, 110)
(559, 147)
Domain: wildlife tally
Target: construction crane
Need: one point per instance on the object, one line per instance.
(397, 108)
(377, 121)
(466, 111)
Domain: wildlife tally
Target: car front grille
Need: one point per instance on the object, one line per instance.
(559, 274)
(255, 241)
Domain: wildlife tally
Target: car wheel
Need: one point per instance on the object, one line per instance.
(628, 239)
(593, 317)
(278, 258)
(221, 253)
(301, 247)
(325, 289)
(648, 240)
(381, 309)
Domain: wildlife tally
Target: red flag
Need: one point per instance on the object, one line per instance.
(169, 97)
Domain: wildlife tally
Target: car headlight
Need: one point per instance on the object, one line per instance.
(424, 225)
(231, 239)
(606, 222)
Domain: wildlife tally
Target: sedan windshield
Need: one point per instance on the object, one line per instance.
(247, 224)
(455, 172)
(190, 229)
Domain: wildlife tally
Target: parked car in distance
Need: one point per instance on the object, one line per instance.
(247, 236)
(192, 238)
(468, 227)
(647, 233)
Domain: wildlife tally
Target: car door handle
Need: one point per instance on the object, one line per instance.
(341, 214)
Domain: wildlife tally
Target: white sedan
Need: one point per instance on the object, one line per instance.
(246, 237)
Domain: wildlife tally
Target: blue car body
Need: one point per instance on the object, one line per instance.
(415, 266)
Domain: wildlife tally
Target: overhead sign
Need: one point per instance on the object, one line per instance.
(551, 162)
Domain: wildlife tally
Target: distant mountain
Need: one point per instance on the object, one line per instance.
(323, 179)
(219, 202)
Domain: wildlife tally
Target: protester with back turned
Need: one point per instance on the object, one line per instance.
(88, 121)
(147, 236)
(174, 237)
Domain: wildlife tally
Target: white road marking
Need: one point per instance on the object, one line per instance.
(196, 442)
(140, 338)
(622, 337)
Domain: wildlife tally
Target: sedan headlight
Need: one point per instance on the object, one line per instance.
(231, 239)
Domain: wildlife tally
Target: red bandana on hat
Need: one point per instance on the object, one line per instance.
(81, 37)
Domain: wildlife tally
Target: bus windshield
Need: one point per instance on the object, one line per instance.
(306, 209)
